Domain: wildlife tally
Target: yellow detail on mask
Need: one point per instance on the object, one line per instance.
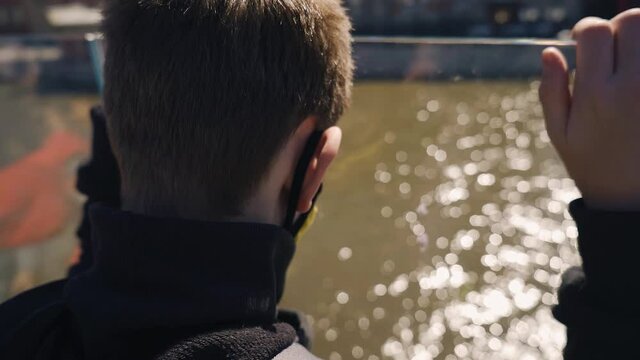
(311, 218)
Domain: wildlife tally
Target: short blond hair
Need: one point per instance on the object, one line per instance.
(201, 94)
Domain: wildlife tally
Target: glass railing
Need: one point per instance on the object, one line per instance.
(443, 228)
(47, 85)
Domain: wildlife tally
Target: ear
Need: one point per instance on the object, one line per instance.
(325, 153)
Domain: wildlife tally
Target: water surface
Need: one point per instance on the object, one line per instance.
(443, 226)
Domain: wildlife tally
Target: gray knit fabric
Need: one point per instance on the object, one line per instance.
(296, 352)
(257, 343)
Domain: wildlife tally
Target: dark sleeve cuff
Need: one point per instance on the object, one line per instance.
(609, 244)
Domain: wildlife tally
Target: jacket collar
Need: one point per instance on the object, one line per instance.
(154, 273)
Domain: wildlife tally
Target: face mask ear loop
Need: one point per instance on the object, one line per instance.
(298, 180)
(304, 221)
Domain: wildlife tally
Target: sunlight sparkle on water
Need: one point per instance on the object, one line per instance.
(521, 229)
(468, 234)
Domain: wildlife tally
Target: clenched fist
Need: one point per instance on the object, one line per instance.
(596, 127)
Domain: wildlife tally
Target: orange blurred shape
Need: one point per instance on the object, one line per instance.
(34, 191)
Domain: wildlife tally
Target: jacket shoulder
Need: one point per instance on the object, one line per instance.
(17, 310)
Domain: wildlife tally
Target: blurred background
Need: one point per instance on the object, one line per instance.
(479, 18)
(443, 228)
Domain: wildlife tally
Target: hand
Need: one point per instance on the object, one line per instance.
(35, 190)
(596, 129)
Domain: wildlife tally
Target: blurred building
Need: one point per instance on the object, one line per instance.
(42, 16)
(465, 17)
(14, 16)
(609, 8)
(510, 18)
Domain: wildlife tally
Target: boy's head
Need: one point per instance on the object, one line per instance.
(203, 96)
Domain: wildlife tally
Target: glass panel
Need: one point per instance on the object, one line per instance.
(47, 86)
(442, 228)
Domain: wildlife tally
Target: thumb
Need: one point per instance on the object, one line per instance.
(555, 95)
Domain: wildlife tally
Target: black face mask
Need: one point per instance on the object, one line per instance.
(297, 227)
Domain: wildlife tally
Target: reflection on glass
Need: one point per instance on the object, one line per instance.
(46, 88)
(443, 228)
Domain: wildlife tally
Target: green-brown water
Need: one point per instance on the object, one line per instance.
(442, 231)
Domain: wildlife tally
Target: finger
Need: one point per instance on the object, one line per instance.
(595, 52)
(555, 95)
(627, 31)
